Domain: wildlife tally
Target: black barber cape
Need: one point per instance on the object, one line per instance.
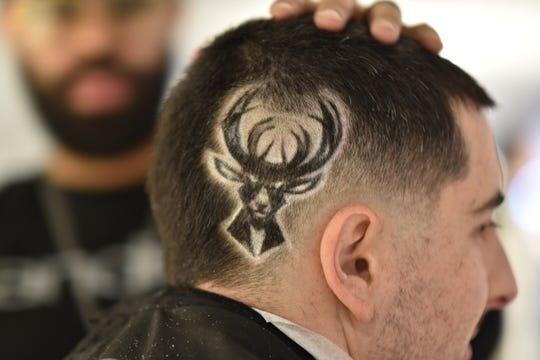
(186, 324)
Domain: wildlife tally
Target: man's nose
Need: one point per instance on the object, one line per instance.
(502, 283)
(93, 35)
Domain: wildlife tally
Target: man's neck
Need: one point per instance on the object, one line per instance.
(74, 171)
(309, 315)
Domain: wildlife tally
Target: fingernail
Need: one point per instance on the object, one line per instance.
(386, 25)
(282, 8)
(330, 15)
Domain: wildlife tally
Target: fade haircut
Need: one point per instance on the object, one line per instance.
(278, 120)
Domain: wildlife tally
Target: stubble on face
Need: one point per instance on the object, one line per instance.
(431, 301)
(438, 281)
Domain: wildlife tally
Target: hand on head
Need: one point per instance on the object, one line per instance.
(384, 18)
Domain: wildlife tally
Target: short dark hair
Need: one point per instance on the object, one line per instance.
(401, 133)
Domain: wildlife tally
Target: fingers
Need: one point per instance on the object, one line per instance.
(333, 15)
(385, 25)
(426, 36)
(330, 15)
(285, 9)
(384, 19)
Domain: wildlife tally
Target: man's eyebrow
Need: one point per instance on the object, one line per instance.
(492, 203)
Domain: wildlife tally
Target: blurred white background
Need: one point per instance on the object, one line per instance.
(496, 41)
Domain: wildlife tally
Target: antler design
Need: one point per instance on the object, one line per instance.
(296, 167)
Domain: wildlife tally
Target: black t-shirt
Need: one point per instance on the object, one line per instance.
(118, 256)
(187, 324)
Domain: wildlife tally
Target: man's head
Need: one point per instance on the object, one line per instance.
(94, 68)
(345, 185)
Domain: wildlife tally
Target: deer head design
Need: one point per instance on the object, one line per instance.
(265, 185)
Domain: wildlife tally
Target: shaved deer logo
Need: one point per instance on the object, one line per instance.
(263, 186)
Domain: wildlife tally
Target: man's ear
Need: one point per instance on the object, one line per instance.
(348, 260)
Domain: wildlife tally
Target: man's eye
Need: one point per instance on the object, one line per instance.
(62, 10)
(487, 226)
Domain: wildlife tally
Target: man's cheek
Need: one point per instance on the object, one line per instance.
(143, 54)
(47, 66)
(473, 294)
(478, 282)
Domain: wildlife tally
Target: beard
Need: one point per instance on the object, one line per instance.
(107, 134)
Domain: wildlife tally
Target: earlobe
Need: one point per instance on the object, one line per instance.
(347, 262)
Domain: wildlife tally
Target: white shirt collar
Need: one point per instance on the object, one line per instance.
(317, 345)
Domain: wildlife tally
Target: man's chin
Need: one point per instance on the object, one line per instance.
(95, 114)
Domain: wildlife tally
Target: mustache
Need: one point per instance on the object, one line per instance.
(107, 64)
